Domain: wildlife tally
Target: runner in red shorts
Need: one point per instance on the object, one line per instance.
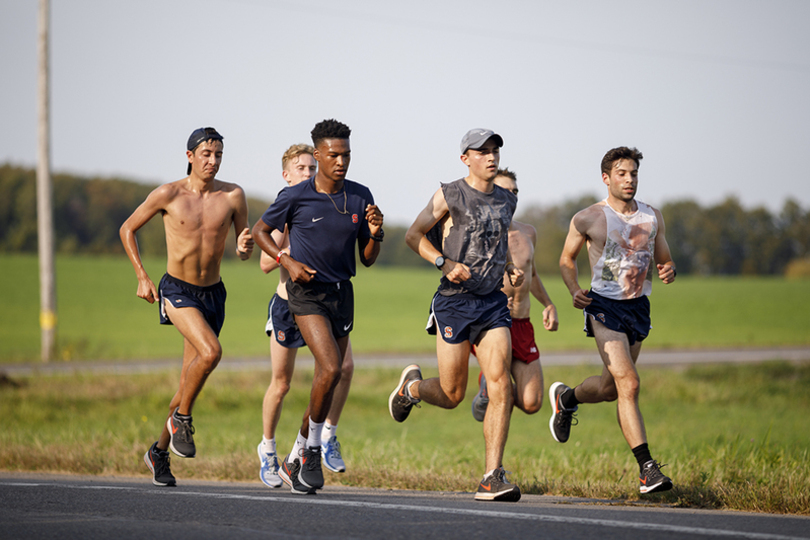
(526, 369)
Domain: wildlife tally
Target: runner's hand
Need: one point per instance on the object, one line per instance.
(581, 299)
(550, 321)
(244, 244)
(147, 290)
(374, 218)
(456, 272)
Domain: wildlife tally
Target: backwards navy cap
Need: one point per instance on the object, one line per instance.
(199, 136)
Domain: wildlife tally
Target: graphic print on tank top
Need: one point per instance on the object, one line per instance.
(624, 270)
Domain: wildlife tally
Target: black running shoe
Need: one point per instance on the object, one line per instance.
(311, 474)
(561, 418)
(496, 487)
(400, 401)
(652, 479)
(289, 474)
(158, 463)
(182, 435)
(481, 399)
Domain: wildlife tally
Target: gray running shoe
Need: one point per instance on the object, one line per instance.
(496, 487)
(289, 474)
(311, 473)
(561, 418)
(652, 479)
(400, 402)
(481, 399)
(268, 473)
(332, 458)
(182, 435)
(158, 463)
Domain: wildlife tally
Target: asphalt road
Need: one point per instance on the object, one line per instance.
(647, 358)
(48, 506)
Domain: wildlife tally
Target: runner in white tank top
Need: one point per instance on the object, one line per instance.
(624, 269)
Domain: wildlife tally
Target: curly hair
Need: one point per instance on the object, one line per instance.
(293, 152)
(616, 154)
(329, 129)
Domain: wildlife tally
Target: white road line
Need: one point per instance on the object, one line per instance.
(438, 510)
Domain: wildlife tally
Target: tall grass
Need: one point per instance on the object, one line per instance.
(734, 437)
(101, 318)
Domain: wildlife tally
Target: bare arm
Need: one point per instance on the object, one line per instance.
(550, 320)
(435, 210)
(662, 255)
(154, 203)
(370, 248)
(244, 240)
(568, 262)
(267, 263)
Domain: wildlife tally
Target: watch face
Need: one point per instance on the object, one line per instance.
(439, 261)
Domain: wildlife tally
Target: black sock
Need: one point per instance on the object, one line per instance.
(642, 453)
(569, 399)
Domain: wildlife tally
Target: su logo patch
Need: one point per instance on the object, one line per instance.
(448, 332)
(280, 335)
(355, 219)
(601, 317)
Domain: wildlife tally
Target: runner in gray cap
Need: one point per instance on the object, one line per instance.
(463, 230)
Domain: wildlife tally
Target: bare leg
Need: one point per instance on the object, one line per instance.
(328, 353)
(201, 354)
(341, 393)
(283, 362)
(528, 385)
(448, 389)
(494, 351)
(619, 380)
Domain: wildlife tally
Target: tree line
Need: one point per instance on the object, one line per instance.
(720, 239)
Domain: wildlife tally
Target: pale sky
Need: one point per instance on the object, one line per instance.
(714, 93)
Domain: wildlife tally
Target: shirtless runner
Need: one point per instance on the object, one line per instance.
(198, 212)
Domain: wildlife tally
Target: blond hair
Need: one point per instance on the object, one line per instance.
(293, 152)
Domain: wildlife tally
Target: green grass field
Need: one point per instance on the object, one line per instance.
(101, 318)
(733, 437)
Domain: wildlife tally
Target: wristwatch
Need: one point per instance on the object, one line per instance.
(379, 237)
(439, 262)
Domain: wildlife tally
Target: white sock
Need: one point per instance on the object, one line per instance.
(298, 447)
(269, 445)
(328, 432)
(314, 439)
(408, 389)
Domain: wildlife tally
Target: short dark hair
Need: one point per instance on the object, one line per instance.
(616, 154)
(507, 173)
(329, 129)
(199, 136)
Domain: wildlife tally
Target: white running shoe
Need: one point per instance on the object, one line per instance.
(269, 471)
(332, 458)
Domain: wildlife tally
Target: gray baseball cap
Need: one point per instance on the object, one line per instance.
(475, 139)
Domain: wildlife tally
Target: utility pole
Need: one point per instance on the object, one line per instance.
(45, 232)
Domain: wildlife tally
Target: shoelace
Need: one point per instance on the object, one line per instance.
(162, 466)
(186, 430)
(334, 448)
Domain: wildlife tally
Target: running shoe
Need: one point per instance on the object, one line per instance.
(400, 402)
(561, 418)
(332, 458)
(182, 435)
(481, 399)
(311, 474)
(289, 474)
(268, 473)
(652, 479)
(496, 487)
(158, 463)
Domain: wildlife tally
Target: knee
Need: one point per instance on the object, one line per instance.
(210, 356)
(280, 387)
(532, 404)
(628, 387)
(347, 370)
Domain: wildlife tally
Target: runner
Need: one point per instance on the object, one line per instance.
(298, 165)
(625, 238)
(198, 212)
(326, 217)
(463, 231)
(526, 369)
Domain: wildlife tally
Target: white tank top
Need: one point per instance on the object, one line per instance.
(624, 270)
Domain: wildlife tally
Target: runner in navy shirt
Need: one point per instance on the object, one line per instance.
(326, 217)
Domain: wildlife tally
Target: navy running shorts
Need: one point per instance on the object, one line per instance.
(631, 317)
(281, 323)
(210, 300)
(464, 316)
(335, 301)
